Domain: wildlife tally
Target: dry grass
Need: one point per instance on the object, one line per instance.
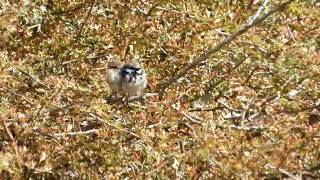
(250, 111)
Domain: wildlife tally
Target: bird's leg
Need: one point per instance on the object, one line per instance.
(110, 97)
(125, 99)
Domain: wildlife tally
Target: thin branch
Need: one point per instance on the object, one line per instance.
(111, 99)
(230, 108)
(7, 130)
(77, 133)
(289, 174)
(156, 6)
(193, 134)
(136, 10)
(205, 109)
(192, 119)
(256, 46)
(71, 61)
(219, 46)
(85, 20)
(251, 74)
(20, 95)
(69, 11)
(222, 33)
(259, 11)
(34, 78)
(291, 33)
(137, 98)
(299, 110)
(12, 139)
(242, 128)
(56, 109)
(177, 12)
(212, 84)
(112, 125)
(311, 29)
(247, 128)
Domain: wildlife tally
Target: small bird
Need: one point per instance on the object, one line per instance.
(114, 78)
(133, 78)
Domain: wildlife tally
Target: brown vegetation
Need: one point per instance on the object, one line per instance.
(248, 109)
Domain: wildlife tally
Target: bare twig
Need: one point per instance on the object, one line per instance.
(299, 110)
(260, 48)
(193, 133)
(291, 33)
(71, 61)
(69, 11)
(230, 108)
(289, 174)
(77, 133)
(219, 46)
(7, 130)
(247, 128)
(18, 94)
(99, 69)
(111, 99)
(34, 78)
(270, 137)
(39, 132)
(212, 83)
(215, 84)
(136, 10)
(259, 11)
(12, 139)
(192, 119)
(156, 6)
(56, 109)
(222, 33)
(138, 106)
(311, 29)
(246, 109)
(112, 125)
(175, 11)
(250, 74)
(136, 98)
(85, 20)
(205, 109)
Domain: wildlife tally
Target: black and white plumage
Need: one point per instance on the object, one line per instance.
(134, 79)
(128, 78)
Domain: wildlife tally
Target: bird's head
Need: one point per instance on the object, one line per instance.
(115, 64)
(132, 68)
